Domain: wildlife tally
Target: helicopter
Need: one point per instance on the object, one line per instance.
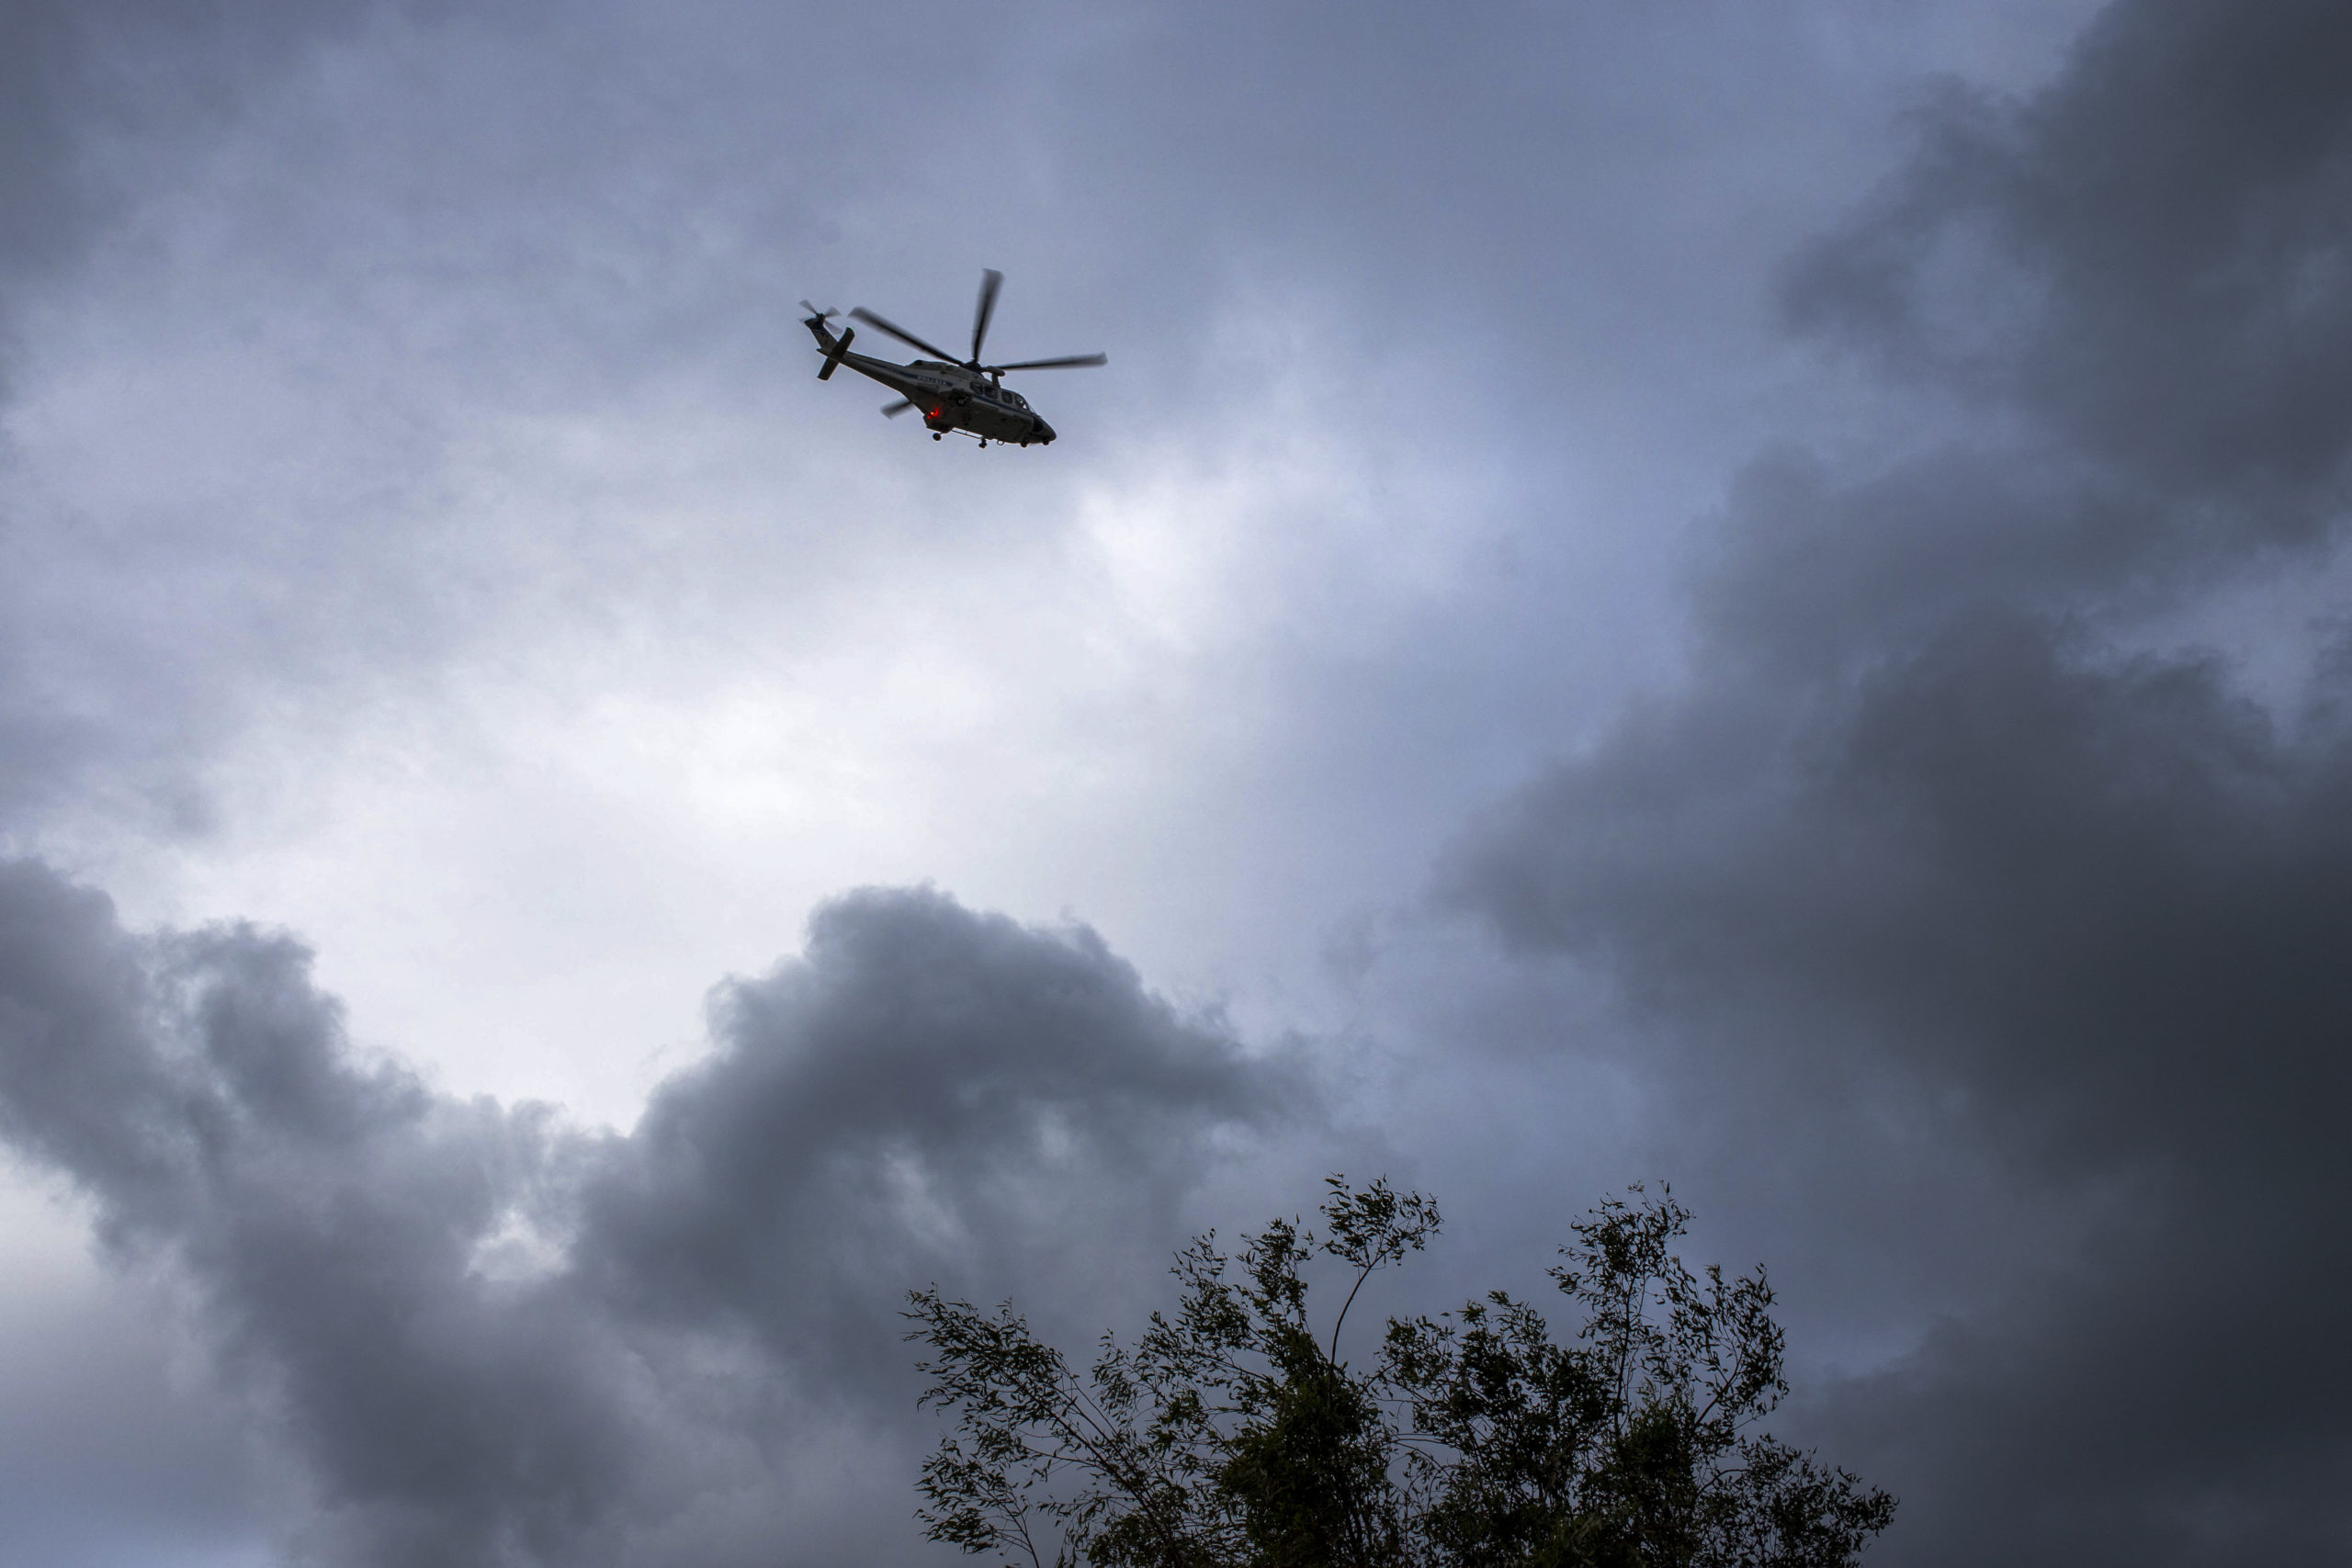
(952, 393)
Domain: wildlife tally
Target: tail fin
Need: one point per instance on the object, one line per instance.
(833, 351)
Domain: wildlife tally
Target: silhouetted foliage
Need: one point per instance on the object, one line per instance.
(1232, 1435)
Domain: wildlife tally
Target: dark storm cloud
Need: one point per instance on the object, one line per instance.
(1930, 815)
(326, 1214)
(2105, 893)
(2148, 262)
(921, 1098)
(925, 1080)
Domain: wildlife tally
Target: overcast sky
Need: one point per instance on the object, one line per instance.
(1748, 594)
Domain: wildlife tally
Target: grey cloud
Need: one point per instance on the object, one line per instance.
(921, 1098)
(2140, 275)
(2148, 261)
(926, 1089)
(1810, 575)
(326, 1215)
(2101, 887)
(1927, 820)
(78, 82)
(108, 1454)
(2175, 1396)
(73, 74)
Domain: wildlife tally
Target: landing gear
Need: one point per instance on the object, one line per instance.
(984, 446)
(935, 436)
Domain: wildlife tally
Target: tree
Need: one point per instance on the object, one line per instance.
(1233, 1434)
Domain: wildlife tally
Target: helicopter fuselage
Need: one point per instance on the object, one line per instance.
(949, 396)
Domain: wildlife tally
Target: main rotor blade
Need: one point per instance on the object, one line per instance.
(1074, 362)
(871, 320)
(991, 281)
(895, 410)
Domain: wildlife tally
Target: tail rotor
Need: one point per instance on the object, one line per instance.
(834, 347)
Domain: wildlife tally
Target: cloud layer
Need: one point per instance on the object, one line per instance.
(1949, 805)
(490, 1338)
(396, 416)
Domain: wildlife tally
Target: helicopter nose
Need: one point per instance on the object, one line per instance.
(1045, 435)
